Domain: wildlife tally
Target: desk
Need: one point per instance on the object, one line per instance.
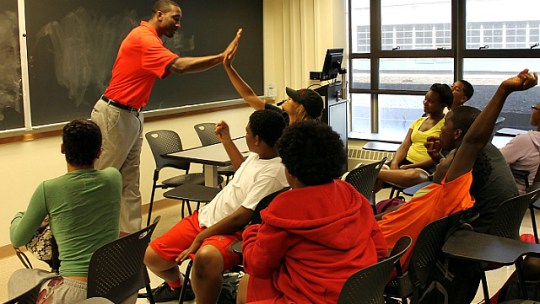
(211, 157)
(479, 247)
(500, 141)
(381, 146)
(510, 132)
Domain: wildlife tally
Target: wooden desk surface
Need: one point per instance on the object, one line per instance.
(214, 155)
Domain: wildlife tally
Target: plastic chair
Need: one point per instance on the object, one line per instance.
(117, 270)
(509, 215)
(206, 134)
(491, 249)
(425, 254)
(194, 193)
(535, 205)
(505, 225)
(256, 217)
(363, 179)
(164, 142)
(367, 285)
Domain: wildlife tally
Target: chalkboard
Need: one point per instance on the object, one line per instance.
(11, 105)
(72, 46)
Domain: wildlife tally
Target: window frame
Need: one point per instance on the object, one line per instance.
(458, 52)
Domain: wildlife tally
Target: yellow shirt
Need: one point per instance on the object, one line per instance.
(417, 151)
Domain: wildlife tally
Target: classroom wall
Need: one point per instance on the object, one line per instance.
(296, 35)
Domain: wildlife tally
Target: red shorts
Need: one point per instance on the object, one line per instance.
(180, 236)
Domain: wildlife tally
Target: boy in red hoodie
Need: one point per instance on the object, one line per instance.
(314, 236)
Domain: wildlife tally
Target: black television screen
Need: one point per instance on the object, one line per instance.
(332, 64)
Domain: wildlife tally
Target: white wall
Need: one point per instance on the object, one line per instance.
(26, 164)
(296, 35)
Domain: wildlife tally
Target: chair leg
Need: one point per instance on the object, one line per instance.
(533, 221)
(521, 279)
(183, 206)
(189, 207)
(373, 203)
(156, 176)
(392, 192)
(485, 287)
(186, 281)
(150, 296)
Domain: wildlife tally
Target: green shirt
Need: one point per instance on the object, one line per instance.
(84, 210)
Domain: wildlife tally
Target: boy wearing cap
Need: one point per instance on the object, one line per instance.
(303, 104)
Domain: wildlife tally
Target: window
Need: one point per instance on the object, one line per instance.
(396, 55)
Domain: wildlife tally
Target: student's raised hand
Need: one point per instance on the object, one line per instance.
(523, 81)
(222, 131)
(231, 49)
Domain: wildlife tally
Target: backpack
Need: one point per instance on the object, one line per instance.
(389, 204)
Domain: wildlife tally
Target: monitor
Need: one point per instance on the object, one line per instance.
(332, 64)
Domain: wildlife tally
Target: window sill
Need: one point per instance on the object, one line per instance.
(396, 138)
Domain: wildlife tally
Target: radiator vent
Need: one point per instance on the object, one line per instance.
(358, 155)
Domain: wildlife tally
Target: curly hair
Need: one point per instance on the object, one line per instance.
(445, 93)
(82, 142)
(268, 125)
(312, 152)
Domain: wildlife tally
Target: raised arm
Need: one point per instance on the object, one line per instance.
(479, 133)
(224, 136)
(199, 64)
(239, 84)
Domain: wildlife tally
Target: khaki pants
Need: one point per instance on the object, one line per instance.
(122, 142)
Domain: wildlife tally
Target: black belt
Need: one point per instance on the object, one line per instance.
(119, 105)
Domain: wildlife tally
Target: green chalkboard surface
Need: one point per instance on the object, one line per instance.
(72, 46)
(11, 107)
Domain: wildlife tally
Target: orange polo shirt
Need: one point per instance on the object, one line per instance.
(141, 58)
(429, 204)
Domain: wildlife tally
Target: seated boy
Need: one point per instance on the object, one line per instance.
(314, 236)
(207, 235)
(452, 179)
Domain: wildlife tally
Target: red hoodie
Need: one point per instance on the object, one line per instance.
(311, 240)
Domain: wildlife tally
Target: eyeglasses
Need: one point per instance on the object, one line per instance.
(535, 108)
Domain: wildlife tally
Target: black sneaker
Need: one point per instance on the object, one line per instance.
(164, 293)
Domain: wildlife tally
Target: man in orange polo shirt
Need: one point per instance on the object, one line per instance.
(141, 59)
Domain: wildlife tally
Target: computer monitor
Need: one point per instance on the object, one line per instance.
(332, 64)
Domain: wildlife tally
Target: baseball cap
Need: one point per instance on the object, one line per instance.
(310, 99)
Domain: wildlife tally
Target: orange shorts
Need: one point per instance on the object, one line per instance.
(180, 236)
